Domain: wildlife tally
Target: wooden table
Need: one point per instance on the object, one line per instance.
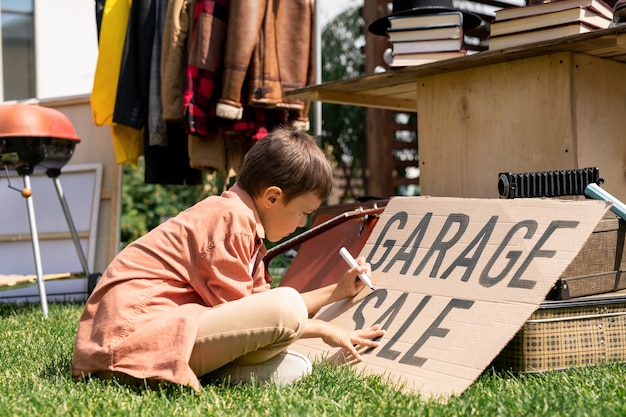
(552, 105)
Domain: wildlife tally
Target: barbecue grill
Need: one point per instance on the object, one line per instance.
(37, 139)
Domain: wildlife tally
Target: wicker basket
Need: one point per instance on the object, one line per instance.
(563, 334)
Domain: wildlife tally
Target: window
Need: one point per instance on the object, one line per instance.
(18, 49)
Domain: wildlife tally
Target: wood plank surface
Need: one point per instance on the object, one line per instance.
(600, 117)
(508, 117)
(16, 280)
(366, 90)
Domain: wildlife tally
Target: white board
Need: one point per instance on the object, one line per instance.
(81, 185)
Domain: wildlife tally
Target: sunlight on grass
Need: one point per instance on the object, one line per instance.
(35, 362)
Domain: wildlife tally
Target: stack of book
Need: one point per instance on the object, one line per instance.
(544, 21)
(420, 39)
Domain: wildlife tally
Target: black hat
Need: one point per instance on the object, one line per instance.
(418, 7)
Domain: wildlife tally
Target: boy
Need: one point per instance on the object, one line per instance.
(191, 297)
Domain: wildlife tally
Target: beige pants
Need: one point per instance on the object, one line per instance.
(248, 331)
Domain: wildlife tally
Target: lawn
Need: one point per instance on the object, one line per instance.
(35, 360)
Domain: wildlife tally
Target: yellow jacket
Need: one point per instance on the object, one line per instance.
(127, 142)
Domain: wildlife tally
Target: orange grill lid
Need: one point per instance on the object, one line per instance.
(26, 120)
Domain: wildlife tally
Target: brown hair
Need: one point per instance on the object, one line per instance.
(290, 160)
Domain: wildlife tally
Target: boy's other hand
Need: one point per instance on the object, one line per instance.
(337, 337)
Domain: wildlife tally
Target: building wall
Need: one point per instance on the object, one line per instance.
(66, 47)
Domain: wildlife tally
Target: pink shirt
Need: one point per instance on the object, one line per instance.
(142, 317)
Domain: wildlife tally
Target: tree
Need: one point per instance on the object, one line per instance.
(343, 127)
(145, 206)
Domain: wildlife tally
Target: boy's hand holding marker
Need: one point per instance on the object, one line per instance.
(352, 263)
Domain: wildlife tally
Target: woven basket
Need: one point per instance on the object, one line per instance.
(562, 337)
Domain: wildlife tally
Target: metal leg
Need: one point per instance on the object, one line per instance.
(37, 255)
(70, 224)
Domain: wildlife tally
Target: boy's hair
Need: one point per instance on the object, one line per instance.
(290, 160)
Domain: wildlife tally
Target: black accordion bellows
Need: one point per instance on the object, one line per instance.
(547, 183)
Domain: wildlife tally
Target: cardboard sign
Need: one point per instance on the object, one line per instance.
(455, 280)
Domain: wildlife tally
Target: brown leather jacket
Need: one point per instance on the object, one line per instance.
(273, 39)
(270, 42)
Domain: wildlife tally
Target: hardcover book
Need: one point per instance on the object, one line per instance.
(425, 33)
(554, 6)
(520, 24)
(425, 20)
(406, 60)
(434, 45)
(531, 36)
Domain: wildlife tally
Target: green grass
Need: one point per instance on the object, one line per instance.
(35, 360)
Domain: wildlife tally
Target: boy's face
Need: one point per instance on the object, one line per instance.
(280, 220)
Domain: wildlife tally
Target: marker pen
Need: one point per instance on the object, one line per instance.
(353, 263)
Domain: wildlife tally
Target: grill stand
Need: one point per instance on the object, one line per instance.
(25, 171)
(54, 175)
(35, 242)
